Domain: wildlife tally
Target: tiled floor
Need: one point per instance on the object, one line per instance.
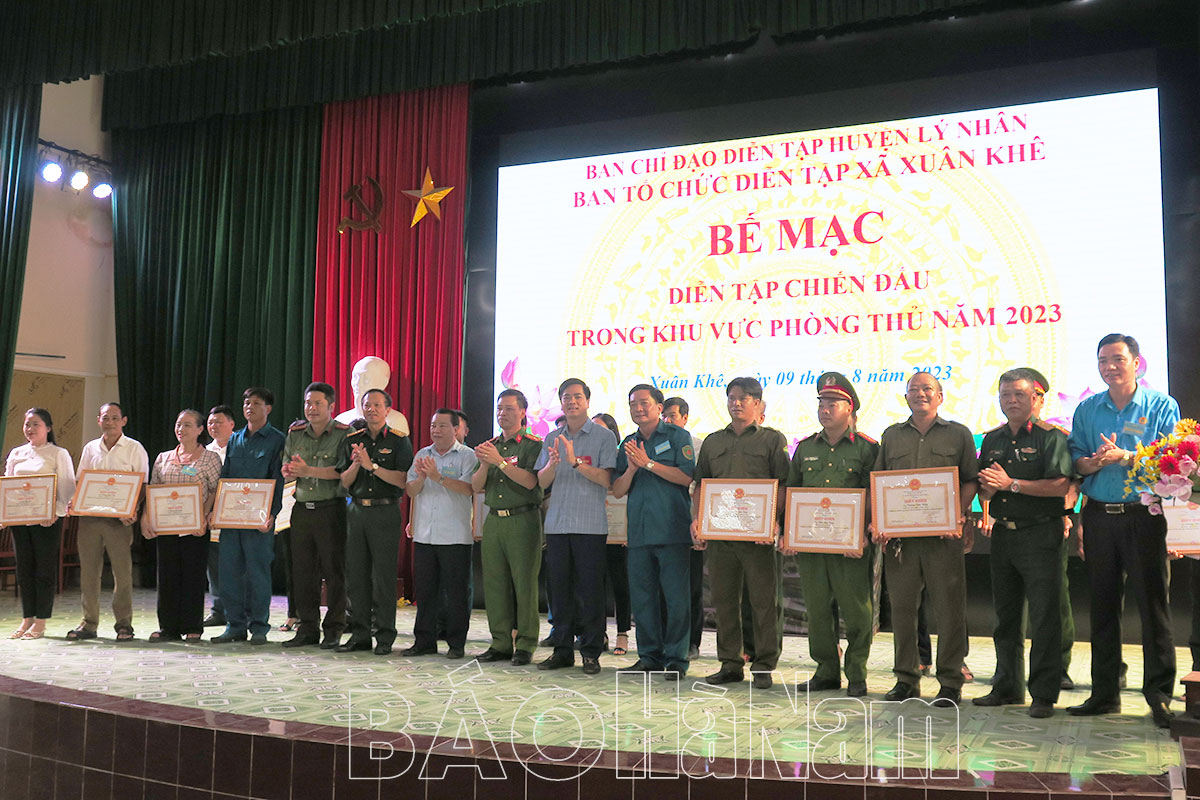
(565, 708)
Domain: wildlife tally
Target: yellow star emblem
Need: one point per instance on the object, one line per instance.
(428, 198)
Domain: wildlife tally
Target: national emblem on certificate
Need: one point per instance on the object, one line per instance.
(824, 520)
(175, 508)
(101, 493)
(27, 499)
(243, 503)
(738, 509)
(1183, 527)
(916, 502)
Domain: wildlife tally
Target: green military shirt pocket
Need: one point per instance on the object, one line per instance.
(944, 456)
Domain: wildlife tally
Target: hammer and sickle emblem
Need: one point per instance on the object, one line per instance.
(371, 223)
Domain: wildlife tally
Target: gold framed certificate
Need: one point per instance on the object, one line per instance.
(1183, 527)
(104, 493)
(616, 509)
(28, 499)
(825, 520)
(283, 520)
(738, 509)
(243, 503)
(916, 502)
(175, 508)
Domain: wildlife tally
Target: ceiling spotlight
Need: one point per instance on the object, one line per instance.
(51, 172)
(101, 190)
(79, 180)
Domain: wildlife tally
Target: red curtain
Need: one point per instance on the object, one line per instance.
(396, 293)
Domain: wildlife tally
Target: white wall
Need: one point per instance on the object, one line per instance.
(67, 305)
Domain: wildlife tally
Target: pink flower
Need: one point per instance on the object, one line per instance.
(508, 375)
(1177, 486)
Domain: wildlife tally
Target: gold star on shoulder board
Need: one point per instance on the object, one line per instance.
(428, 198)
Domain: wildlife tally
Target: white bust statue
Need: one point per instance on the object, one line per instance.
(370, 373)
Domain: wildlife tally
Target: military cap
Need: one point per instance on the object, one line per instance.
(836, 386)
(1039, 380)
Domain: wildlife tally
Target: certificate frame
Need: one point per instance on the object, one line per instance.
(892, 487)
(96, 485)
(755, 496)
(617, 512)
(844, 507)
(41, 489)
(1183, 527)
(283, 520)
(187, 498)
(240, 498)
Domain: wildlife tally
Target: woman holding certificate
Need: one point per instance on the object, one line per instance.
(183, 484)
(33, 508)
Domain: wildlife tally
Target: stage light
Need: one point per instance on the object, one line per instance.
(79, 180)
(101, 190)
(51, 172)
(84, 169)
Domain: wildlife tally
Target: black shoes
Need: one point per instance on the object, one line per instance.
(351, 645)
(902, 691)
(382, 649)
(819, 685)
(1066, 684)
(725, 676)
(947, 698)
(1095, 706)
(641, 666)
(856, 689)
(215, 621)
(302, 640)
(228, 636)
(591, 666)
(1161, 714)
(454, 652)
(547, 642)
(418, 651)
(554, 662)
(258, 639)
(491, 654)
(521, 657)
(995, 698)
(330, 641)
(1041, 709)
(762, 680)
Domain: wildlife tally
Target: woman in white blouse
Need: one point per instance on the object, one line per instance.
(37, 545)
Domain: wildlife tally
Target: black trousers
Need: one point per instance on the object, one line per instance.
(1193, 566)
(1133, 544)
(318, 545)
(617, 560)
(37, 566)
(697, 589)
(182, 577)
(576, 563)
(442, 574)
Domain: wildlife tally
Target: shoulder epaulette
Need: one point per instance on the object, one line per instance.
(811, 436)
(1050, 426)
(993, 430)
(341, 426)
(862, 435)
(298, 425)
(533, 436)
(397, 432)
(356, 432)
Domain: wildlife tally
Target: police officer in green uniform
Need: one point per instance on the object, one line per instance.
(1025, 471)
(511, 549)
(374, 463)
(837, 457)
(310, 458)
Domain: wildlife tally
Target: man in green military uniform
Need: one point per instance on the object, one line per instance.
(374, 463)
(310, 457)
(512, 533)
(1025, 471)
(743, 449)
(837, 457)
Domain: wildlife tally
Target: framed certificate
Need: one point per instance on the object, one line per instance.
(916, 502)
(738, 509)
(27, 499)
(1183, 527)
(283, 520)
(478, 515)
(242, 503)
(175, 507)
(825, 520)
(618, 521)
(101, 493)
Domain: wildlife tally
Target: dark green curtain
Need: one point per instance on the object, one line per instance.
(213, 261)
(20, 108)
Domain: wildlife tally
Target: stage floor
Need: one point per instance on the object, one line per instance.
(565, 708)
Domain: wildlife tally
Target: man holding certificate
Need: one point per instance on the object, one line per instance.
(114, 452)
(1025, 471)
(744, 449)
(914, 563)
(836, 457)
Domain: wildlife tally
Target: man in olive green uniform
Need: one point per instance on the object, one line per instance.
(512, 533)
(374, 464)
(1025, 471)
(936, 562)
(310, 457)
(743, 449)
(837, 457)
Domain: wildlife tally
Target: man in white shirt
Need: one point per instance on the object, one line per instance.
(439, 482)
(116, 452)
(220, 427)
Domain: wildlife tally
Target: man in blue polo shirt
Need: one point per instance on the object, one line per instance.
(577, 459)
(1120, 536)
(654, 467)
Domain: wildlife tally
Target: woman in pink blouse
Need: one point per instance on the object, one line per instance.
(183, 558)
(37, 545)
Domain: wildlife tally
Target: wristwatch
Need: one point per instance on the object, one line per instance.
(578, 461)
(1015, 486)
(503, 464)
(650, 465)
(1127, 459)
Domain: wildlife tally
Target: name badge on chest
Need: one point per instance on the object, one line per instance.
(1134, 428)
(661, 448)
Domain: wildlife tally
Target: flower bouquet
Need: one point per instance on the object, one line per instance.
(1166, 469)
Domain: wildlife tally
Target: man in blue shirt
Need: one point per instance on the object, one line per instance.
(577, 459)
(246, 554)
(654, 467)
(1120, 536)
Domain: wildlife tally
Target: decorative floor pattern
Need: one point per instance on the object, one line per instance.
(565, 708)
